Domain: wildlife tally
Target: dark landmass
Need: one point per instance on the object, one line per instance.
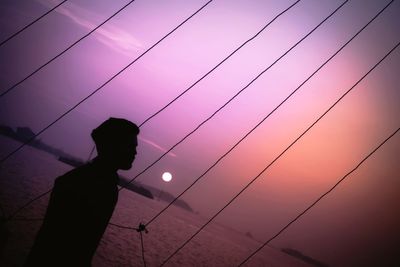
(297, 254)
(123, 181)
(25, 134)
(135, 187)
(168, 197)
(147, 191)
(249, 235)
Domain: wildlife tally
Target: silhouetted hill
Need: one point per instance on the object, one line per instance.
(24, 134)
(7, 131)
(168, 197)
(297, 254)
(135, 187)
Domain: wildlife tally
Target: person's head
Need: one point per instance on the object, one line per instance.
(116, 142)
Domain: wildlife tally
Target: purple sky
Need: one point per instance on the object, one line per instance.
(361, 216)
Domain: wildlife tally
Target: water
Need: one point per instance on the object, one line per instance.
(31, 172)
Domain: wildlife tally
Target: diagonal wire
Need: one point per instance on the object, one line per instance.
(220, 63)
(176, 97)
(214, 68)
(233, 97)
(319, 198)
(30, 24)
(99, 88)
(269, 114)
(91, 153)
(280, 155)
(64, 51)
(12, 216)
(142, 245)
(122, 226)
(140, 230)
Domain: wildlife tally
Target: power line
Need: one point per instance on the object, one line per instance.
(30, 24)
(140, 230)
(142, 245)
(125, 227)
(287, 225)
(9, 155)
(59, 118)
(18, 148)
(233, 97)
(269, 114)
(151, 165)
(91, 153)
(64, 51)
(12, 216)
(186, 90)
(210, 71)
(318, 199)
(122, 226)
(189, 88)
(328, 191)
(283, 152)
(219, 64)
(99, 88)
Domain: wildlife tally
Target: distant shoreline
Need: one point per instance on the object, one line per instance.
(24, 134)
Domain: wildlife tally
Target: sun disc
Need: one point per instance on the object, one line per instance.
(167, 176)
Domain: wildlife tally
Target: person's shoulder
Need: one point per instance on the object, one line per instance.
(75, 175)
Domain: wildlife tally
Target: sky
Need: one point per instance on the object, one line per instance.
(356, 225)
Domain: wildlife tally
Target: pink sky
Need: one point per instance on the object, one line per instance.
(353, 128)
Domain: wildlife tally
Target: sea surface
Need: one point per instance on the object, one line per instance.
(31, 172)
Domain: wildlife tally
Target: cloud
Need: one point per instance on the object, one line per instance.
(153, 144)
(111, 36)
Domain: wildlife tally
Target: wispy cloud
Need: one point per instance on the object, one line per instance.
(153, 144)
(110, 35)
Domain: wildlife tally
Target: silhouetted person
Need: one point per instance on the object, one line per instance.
(83, 200)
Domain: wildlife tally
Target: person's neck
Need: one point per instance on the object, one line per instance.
(105, 164)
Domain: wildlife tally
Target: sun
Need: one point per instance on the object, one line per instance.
(167, 177)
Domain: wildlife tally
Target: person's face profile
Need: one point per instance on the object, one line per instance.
(125, 153)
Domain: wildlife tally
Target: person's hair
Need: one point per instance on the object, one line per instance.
(114, 131)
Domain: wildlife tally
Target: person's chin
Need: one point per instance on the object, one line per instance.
(126, 165)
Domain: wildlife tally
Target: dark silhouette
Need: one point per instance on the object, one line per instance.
(297, 254)
(83, 200)
(24, 134)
